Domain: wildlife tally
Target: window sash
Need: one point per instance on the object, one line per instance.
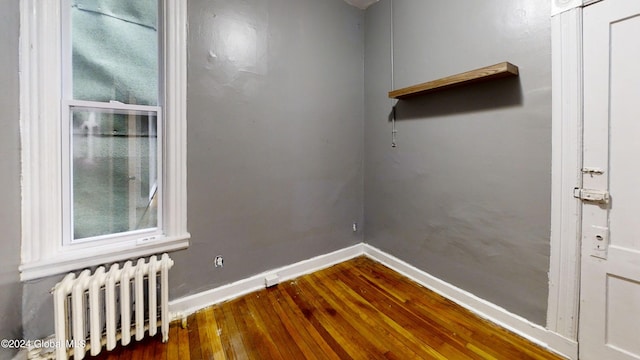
(68, 102)
(140, 235)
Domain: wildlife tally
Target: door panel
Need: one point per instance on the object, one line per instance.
(625, 131)
(622, 316)
(610, 274)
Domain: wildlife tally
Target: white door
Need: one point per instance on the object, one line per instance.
(610, 276)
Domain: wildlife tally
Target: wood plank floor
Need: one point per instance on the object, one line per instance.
(355, 310)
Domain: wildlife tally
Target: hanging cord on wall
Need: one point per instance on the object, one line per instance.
(393, 101)
(393, 127)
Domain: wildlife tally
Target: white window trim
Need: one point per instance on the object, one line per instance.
(40, 102)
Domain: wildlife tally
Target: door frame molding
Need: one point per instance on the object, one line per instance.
(560, 6)
(567, 123)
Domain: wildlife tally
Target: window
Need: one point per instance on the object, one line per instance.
(112, 116)
(112, 163)
(103, 132)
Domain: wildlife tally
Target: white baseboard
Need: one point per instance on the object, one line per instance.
(182, 307)
(483, 308)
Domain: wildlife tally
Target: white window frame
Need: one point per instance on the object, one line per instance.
(145, 234)
(43, 251)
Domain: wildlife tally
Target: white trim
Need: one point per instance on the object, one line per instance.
(39, 127)
(115, 106)
(90, 257)
(175, 107)
(485, 309)
(183, 307)
(41, 155)
(560, 6)
(564, 267)
(566, 160)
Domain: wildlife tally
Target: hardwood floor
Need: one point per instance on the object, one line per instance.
(355, 310)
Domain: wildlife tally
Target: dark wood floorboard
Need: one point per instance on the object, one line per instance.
(358, 309)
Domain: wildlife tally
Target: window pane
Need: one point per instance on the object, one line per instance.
(115, 51)
(115, 175)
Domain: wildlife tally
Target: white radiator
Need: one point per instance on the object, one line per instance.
(87, 313)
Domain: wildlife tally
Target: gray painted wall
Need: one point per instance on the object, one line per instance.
(275, 136)
(466, 194)
(276, 146)
(275, 124)
(10, 286)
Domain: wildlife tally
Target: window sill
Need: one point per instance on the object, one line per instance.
(72, 260)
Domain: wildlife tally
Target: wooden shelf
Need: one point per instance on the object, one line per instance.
(496, 71)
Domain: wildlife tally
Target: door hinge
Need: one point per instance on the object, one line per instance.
(598, 196)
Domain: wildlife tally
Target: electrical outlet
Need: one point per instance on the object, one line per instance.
(355, 227)
(218, 261)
